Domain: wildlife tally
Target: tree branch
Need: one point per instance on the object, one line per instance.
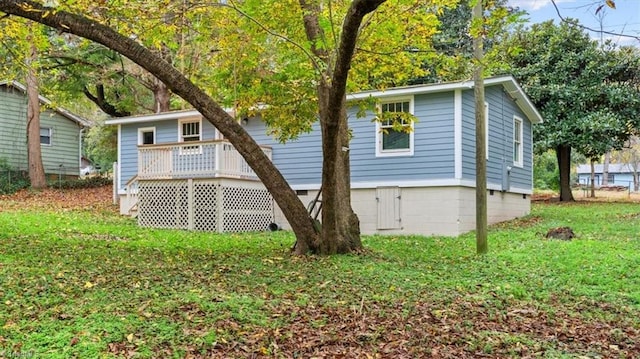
(273, 33)
(348, 39)
(562, 18)
(100, 100)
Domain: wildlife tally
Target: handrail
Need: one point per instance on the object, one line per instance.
(193, 143)
(196, 159)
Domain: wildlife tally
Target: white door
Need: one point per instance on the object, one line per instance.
(388, 199)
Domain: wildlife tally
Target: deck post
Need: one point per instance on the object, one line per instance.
(190, 204)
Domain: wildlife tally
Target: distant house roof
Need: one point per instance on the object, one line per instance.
(613, 168)
(43, 100)
(513, 89)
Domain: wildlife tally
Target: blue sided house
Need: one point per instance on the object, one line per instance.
(176, 170)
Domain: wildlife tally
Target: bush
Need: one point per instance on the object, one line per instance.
(545, 171)
(87, 182)
(12, 180)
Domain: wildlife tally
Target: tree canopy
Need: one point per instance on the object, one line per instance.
(588, 95)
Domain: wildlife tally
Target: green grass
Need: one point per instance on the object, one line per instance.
(84, 284)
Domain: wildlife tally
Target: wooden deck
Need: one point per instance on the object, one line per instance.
(198, 159)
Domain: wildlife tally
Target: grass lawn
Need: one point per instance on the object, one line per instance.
(82, 281)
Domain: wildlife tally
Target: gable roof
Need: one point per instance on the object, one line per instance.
(508, 82)
(43, 100)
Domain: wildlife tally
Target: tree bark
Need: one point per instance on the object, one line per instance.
(605, 169)
(563, 154)
(340, 224)
(593, 179)
(293, 209)
(481, 155)
(100, 100)
(34, 153)
(161, 96)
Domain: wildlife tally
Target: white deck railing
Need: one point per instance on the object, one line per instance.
(199, 159)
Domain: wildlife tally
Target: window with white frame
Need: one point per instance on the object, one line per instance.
(394, 136)
(45, 136)
(190, 130)
(517, 142)
(147, 136)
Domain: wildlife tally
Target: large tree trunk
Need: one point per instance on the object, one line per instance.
(563, 153)
(34, 154)
(293, 209)
(593, 178)
(482, 247)
(340, 225)
(161, 96)
(605, 169)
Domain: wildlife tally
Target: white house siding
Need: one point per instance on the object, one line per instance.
(443, 211)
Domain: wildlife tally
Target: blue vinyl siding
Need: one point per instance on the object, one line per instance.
(300, 161)
(502, 109)
(433, 156)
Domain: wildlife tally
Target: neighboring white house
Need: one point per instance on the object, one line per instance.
(176, 171)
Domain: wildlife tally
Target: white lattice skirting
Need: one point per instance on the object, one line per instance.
(219, 205)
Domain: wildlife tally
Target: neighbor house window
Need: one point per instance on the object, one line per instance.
(45, 136)
(391, 140)
(147, 136)
(517, 142)
(190, 130)
(611, 178)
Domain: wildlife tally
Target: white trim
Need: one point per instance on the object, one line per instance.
(50, 136)
(520, 162)
(457, 133)
(410, 90)
(146, 129)
(173, 115)
(486, 130)
(379, 135)
(510, 84)
(195, 149)
(417, 183)
(120, 158)
(192, 119)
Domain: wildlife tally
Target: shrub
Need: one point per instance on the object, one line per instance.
(12, 180)
(87, 182)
